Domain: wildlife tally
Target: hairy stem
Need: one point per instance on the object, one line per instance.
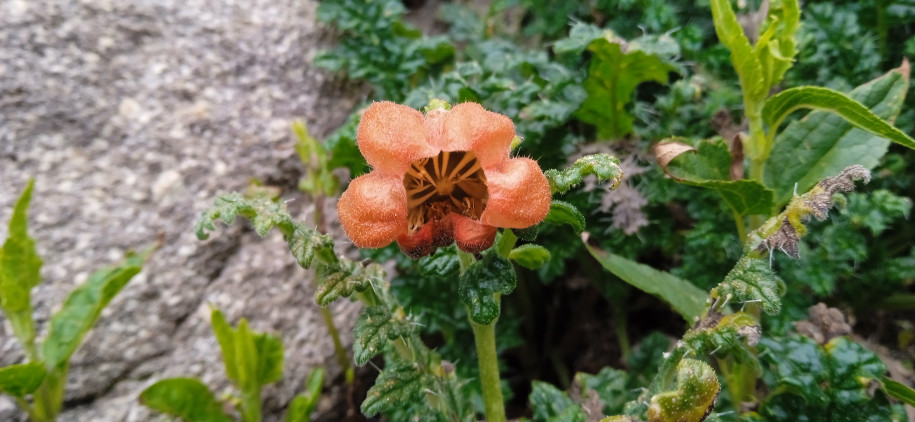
(485, 338)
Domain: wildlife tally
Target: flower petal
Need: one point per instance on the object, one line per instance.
(469, 127)
(519, 194)
(391, 136)
(470, 235)
(373, 210)
(432, 235)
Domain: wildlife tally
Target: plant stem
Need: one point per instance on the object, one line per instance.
(741, 228)
(251, 406)
(342, 357)
(485, 338)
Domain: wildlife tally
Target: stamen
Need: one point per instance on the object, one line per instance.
(437, 186)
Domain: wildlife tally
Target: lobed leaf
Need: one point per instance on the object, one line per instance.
(83, 307)
(343, 279)
(375, 326)
(22, 379)
(185, 398)
(484, 279)
(685, 298)
(751, 280)
(399, 384)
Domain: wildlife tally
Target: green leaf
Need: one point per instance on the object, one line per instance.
(19, 271)
(345, 278)
(821, 144)
(751, 280)
(617, 68)
(604, 166)
(899, 391)
(484, 279)
(19, 380)
(694, 398)
(685, 298)
(269, 358)
(302, 406)
(375, 326)
(709, 167)
(784, 103)
(748, 67)
(610, 385)
(225, 335)
(399, 384)
(551, 404)
(565, 213)
(776, 47)
(84, 306)
(530, 256)
(185, 398)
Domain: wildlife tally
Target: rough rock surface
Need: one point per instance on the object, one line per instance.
(132, 115)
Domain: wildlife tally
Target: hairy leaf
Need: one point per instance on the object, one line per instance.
(344, 279)
(552, 405)
(751, 280)
(694, 398)
(565, 213)
(821, 144)
(604, 166)
(400, 383)
(481, 282)
(22, 379)
(375, 326)
(685, 298)
(83, 307)
(530, 256)
(185, 398)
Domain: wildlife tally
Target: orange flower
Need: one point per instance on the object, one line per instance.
(438, 178)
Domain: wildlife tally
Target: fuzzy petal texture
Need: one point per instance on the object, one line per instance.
(432, 235)
(469, 127)
(519, 194)
(391, 136)
(373, 210)
(470, 235)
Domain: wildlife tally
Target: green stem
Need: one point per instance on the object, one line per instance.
(506, 243)
(485, 338)
(741, 228)
(251, 406)
(24, 405)
(50, 396)
(622, 331)
(342, 357)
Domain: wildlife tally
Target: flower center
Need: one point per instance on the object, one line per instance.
(448, 182)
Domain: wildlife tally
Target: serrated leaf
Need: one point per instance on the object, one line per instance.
(375, 326)
(565, 213)
(604, 166)
(185, 398)
(305, 244)
(899, 391)
(709, 167)
(749, 69)
(610, 385)
(398, 384)
(343, 279)
(225, 335)
(751, 280)
(731, 335)
(530, 256)
(83, 307)
(485, 278)
(263, 212)
(617, 68)
(684, 297)
(693, 400)
(22, 379)
(821, 144)
(20, 268)
(551, 404)
(784, 103)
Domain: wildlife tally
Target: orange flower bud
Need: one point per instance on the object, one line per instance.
(439, 178)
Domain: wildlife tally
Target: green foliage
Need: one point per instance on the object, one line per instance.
(550, 404)
(22, 379)
(377, 46)
(565, 213)
(302, 406)
(823, 143)
(899, 391)
(617, 67)
(709, 166)
(751, 281)
(344, 279)
(481, 282)
(530, 256)
(694, 397)
(397, 385)
(604, 166)
(252, 359)
(685, 298)
(810, 382)
(19, 271)
(318, 179)
(185, 398)
(374, 328)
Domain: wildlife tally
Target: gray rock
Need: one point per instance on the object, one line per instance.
(132, 115)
